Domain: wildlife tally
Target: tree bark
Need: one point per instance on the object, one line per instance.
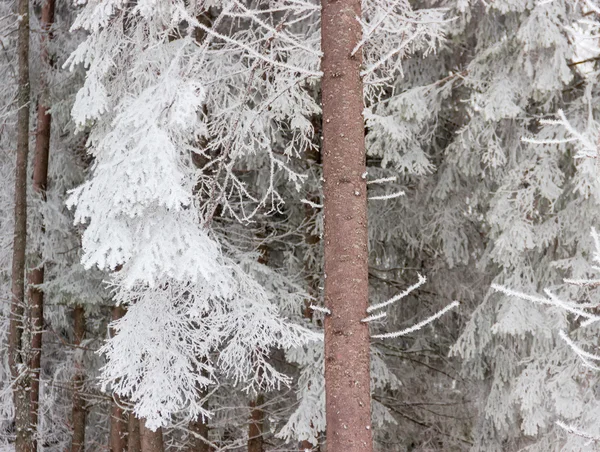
(134, 443)
(195, 444)
(17, 354)
(118, 425)
(79, 410)
(311, 281)
(255, 428)
(151, 441)
(347, 380)
(40, 180)
(307, 446)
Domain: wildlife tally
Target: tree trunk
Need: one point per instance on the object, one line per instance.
(311, 281)
(195, 444)
(40, 180)
(118, 424)
(17, 354)
(151, 441)
(118, 427)
(134, 443)
(255, 429)
(347, 381)
(79, 410)
(307, 446)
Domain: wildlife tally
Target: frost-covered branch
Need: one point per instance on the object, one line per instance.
(419, 325)
(390, 196)
(586, 357)
(325, 311)
(382, 180)
(576, 431)
(552, 300)
(311, 204)
(381, 315)
(588, 145)
(422, 280)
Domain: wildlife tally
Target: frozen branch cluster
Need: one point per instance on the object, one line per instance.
(165, 136)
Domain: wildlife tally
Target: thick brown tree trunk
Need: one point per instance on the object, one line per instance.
(347, 380)
(40, 180)
(18, 359)
(255, 428)
(79, 411)
(134, 443)
(118, 424)
(151, 441)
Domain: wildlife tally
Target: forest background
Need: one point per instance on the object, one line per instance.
(162, 278)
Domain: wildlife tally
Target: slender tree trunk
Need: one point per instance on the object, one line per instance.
(312, 282)
(347, 380)
(313, 157)
(40, 180)
(134, 443)
(17, 354)
(79, 411)
(151, 441)
(255, 428)
(257, 415)
(118, 425)
(118, 428)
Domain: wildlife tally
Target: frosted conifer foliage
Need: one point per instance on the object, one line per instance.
(186, 298)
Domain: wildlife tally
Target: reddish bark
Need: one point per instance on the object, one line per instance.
(347, 380)
(151, 441)
(79, 410)
(306, 446)
(255, 428)
(134, 443)
(24, 441)
(118, 425)
(40, 180)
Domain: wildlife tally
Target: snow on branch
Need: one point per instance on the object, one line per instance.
(586, 357)
(390, 196)
(589, 146)
(250, 14)
(252, 52)
(325, 311)
(367, 34)
(311, 204)
(383, 180)
(576, 431)
(552, 300)
(583, 282)
(592, 6)
(419, 325)
(400, 296)
(381, 315)
(391, 54)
